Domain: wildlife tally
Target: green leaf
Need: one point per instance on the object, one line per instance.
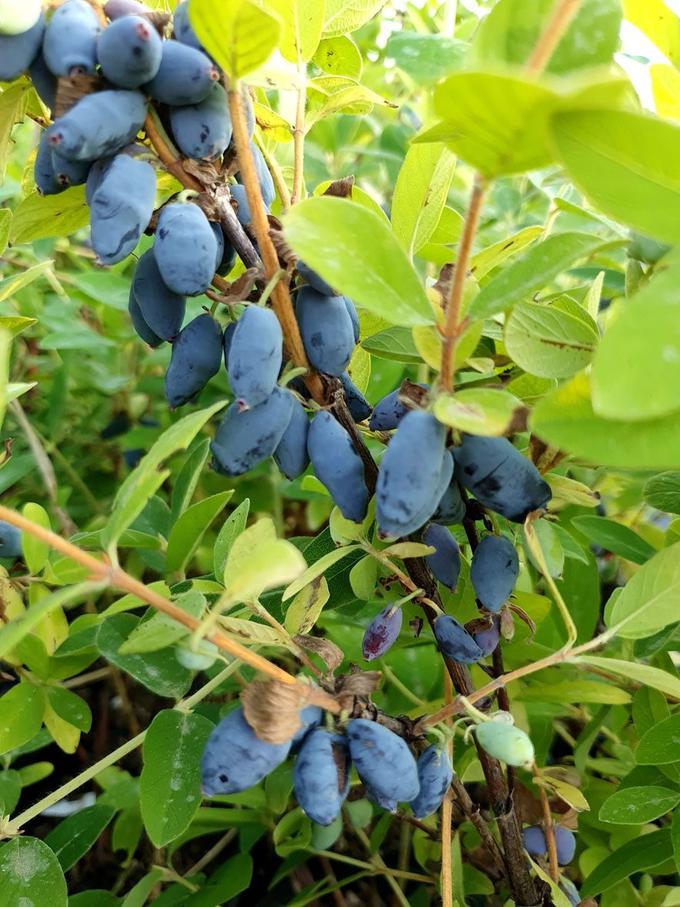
(658, 22)
(660, 745)
(126, 510)
(395, 344)
(13, 632)
(301, 25)
(35, 551)
(663, 492)
(28, 865)
(615, 537)
(646, 336)
(638, 805)
(534, 271)
(648, 602)
(233, 527)
(339, 56)
(160, 631)
(170, 783)
(547, 342)
(158, 671)
(293, 832)
(138, 895)
(45, 216)
(317, 568)
(13, 106)
(426, 58)
(571, 691)
(510, 32)
(342, 16)
(675, 836)
(5, 223)
(644, 852)
(637, 672)
(11, 285)
(21, 714)
(624, 164)
(70, 707)
(420, 194)
(187, 480)
(354, 250)
(72, 838)
(565, 418)
(10, 791)
(190, 528)
(303, 612)
(494, 255)
(230, 879)
(239, 35)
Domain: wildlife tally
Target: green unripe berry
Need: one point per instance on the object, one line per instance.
(505, 742)
(17, 18)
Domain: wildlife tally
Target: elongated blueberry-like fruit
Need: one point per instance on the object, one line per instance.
(18, 18)
(451, 508)
(70, 43)
(255, 356)
(382, 632)
(184, 31)
(488, 637)
(338, 466)
(389, 412)
(445, 561)
(185, 76)
(247, 437)
(357, 404)
(226, 254)
(435, 774)
(141, 327)
(161, 309)
(44, 81)
(264, 177)
(185, 248)
(353, 317)
(410, 473)
(98, 125)
(326, 330)
(383, 760)
(565, 842)
(129, 51)
(310, 717)
(322, 775)
(455, 641)
(389, 804)
(536, 845)
(226, 342)
(235, 758)
(70, 173)
(121, 207)
(196, 358)
(314, 280)
(500, 477)
(238, 193)
(116, 9)
(10, 540)
(423, 514)
(291, 455)
(95, 176)
(494, 572)
(43, 169)
(203, 131)
(18, 52)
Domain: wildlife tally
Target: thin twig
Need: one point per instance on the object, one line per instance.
(548, 830)
(560, 20)
(446, 870)
(299, 134)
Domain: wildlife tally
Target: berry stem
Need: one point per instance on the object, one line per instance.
(548, 829)
(299, 134)
(561, 18)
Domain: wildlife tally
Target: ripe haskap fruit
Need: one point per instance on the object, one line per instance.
(227, 253)
(487, 639)
(142, 329)
(455, 642)
(10, 540)
(183, 29)
(70, 173)
(314, 280)
(451, 508)
(321, 775)
(196, 358)
(291, 455)
(44, 81)
(70, 44)
(338, 466)
(226, 342)
(389, 412)
(410, 476)
(500, 477)
(115, 9)
(326, 330)
(434, 774)
(98, 125)
(238, 193)
(185, 76)
(161, 309)
(264, 177)
(96, 174)
(185, 249)
(19, 51)
(494, 572)
(129, 51)
(505, 742)
(247, 437)
(383, 760)
(310, 717)
(536, 845)
(18, 18)
(357, 404)
(353, 317)
(382, 632)
(235, 758)
(203, 131)
(445, 562)
(255, 356)
(43, 169)
(121, 207)
(387, 803)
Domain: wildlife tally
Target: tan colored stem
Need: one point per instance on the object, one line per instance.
(119, 579)
(281, 302)
(548, 831)
(560, 20)
(446, 872)
(277, 176)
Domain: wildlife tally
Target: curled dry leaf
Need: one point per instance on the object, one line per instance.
(331, 654)
(272, 708)
(341, 188)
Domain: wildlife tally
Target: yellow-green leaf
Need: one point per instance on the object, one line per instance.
(481, 411)
(240, 35)
(303, 612)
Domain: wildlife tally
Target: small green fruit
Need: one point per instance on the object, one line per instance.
(505, 742)
(17, 18)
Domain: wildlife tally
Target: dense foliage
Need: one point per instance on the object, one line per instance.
(337, 332)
